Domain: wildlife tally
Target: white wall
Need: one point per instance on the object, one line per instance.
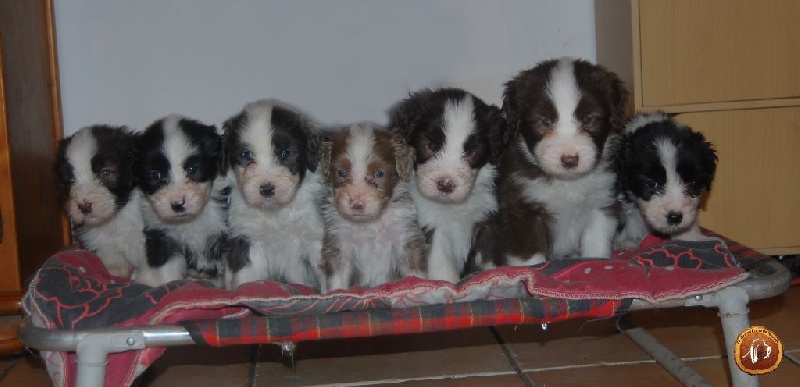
(130, 62)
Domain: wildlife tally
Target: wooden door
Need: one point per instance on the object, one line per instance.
(9, 275)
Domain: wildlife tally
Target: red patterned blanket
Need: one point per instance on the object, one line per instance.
(74, 291)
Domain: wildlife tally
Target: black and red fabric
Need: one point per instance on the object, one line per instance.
(74, 291)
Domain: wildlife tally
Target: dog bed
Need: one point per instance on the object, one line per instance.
(73, 295)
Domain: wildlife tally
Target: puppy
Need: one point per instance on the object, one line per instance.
(179, 160)
(371, 230)
(276, 228)
(457, 139)
(662, 168)
(557, 185)
(94, 171)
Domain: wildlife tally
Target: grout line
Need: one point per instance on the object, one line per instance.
(794, 359)
(8, 368)
(254, 357)
(510, 357)
(614, 364)
(422, 378)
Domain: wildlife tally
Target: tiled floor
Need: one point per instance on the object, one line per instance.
(571, 354)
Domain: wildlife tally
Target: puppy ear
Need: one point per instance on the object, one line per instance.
(405, 116)
(510, 109)
(60, 171)
(230, 138)
(709, 156)
(325, 149)
(403, 156)
(616, 96)
(499, 134)
(314, 141)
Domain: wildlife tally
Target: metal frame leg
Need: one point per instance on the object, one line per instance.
(93, 350)
(734, 314)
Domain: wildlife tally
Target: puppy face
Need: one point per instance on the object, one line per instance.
(664, 167)
(270, 148)
(179, 159)
(93, 169)
(565, 110)
(453, 134)
(363, 165)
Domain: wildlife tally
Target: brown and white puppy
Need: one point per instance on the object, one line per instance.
(371, 230)
(275, 226)
(557, 184)
(457, 139)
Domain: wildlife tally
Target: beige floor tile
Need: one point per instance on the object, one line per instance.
(27, 371)
(493, 381)
(780, 314)
(388, 358)
(201, 366)
(697, 331)
(715, 371)
(650, 375)
(574, 342)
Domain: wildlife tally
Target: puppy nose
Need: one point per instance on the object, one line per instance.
(357, 205)
(85, 207)
(267, 190)
(569, 161)
(674, 217)
(445, 186)
(179, 206)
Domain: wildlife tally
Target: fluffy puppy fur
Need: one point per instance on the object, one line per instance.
(179, 160)
(371, 230)
(556, 179)
(662, 168)
(276, 229)
(94, 171)
(457, 139)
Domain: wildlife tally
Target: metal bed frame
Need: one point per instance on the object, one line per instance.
(766, 279)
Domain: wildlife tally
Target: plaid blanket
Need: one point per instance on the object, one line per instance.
(74, 291)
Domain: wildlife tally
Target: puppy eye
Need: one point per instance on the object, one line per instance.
(247, 155)
(652, 184)
(586, 120)
(546, 121)
(190, 168)
(285, 154)
(105, 174)
(155, 175)
(341, 173)
(379, 174)
(469, 153)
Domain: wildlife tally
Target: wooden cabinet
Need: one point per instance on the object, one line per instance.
(33, 227)
(728, 68)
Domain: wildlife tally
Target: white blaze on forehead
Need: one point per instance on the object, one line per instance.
(564, 93)
(673, 186)
(359, 150)
(79, 153)
(177, 147)
(258, 131)
(459, 123)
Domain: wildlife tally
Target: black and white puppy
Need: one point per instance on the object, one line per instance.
(371, 230)
(276, 228)
(662, 168)
(94, 171)
(557, 184)
(179, 160)
(457, 139)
